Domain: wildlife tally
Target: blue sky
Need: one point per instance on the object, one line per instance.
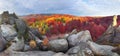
(73, 7)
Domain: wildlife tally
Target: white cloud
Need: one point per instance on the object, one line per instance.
(99, 7)
(75, 7)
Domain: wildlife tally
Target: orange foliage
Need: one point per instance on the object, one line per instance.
(45, 41)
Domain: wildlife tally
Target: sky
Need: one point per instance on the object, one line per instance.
(72, 7)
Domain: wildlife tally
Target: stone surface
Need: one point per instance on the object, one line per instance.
(72, 40)
(8, 32)
(102, 49)
(60, 54)
(18, 45)
(36, 32)
(116, 38)
(82, 36)
(21, 27)
(117, 50)
(58, 45)
(3, 42)
(27, 48)
(81, 50)
(29, 53)
(110, 37)
(12, 20)
(85, 36)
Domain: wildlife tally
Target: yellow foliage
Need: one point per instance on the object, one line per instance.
(32, 43)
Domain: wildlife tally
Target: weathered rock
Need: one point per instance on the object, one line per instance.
(18, 45)
(82, 36)
(0, 19)
(72, 40)
(10, 52)
(116, 38)
(117, 50)
(58, 45)
(3, 42)
(12, 20)
(8, 18)
(27, 48)
(74, 31)
(8, 32)
(21, 27)
(33, 36)
(85, 36)
(110, 37)
(102, 49)
(106, 37)
(60, 54)
(81, 50)
(36, 33)
(5, 17)
(66, 36)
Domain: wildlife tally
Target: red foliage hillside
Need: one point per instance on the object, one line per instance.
(96, 25)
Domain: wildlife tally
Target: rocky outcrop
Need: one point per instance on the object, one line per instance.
(8, 32)
(58, 45)
(82, 49)
(82, 36)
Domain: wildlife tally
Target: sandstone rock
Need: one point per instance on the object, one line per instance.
(102, 49)
(3, 42)
(85, 36)
(18, 45)
(21, 27)
(60, 54)
(82, 36)
(81, 50)
(74, 31)
(12, 20)
(27, 48)
(72, 40)
(58, 45)
(8, 32)
(110, 37)
(8, 18)
(116, 38)
(117, 50)
(5, 17)
(28, 53)
(36, 33)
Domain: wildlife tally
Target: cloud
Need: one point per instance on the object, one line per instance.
(74, 7)
(97, 7)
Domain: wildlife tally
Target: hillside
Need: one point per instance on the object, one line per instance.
(66, 23)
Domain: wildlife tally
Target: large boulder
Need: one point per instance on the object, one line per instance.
(36, 32)
(82, 36)
(58, 45)
(3, 42)
(116, 38)
(21, 27)
(110, 37)
(7, 18)
(81, 50)
(17, 44)
(8, 32)
(105, 50)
